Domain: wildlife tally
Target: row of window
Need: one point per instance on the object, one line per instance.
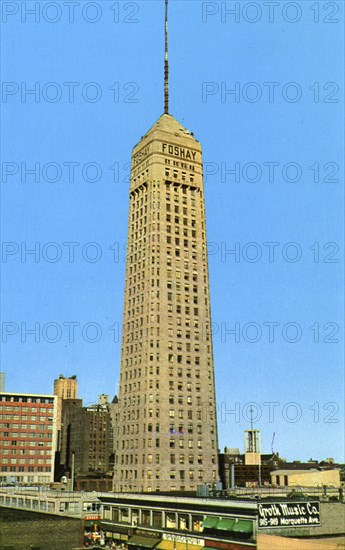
(178, 210)
(143, 176)
(25, 469)
(21, 443)
(24, 426)
(180, 386)
(172, 359)
(43, 410)
(25, 461)
(176, 441)
(183, 165)
(25, 399)
(201, 414)
(138, 239)
(135, 276)
(141, 255)
(26, 435)
(30, 452)
(180, 191)
(136, 314)
(188, 359)
(177, 175)
(147, 399)
(180, 173)
(166, 519)
(176, 359)
(138, 212)
(148, 474)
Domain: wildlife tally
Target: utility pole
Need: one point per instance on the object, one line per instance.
(72, 471)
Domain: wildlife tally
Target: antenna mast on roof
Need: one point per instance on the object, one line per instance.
(166, 62)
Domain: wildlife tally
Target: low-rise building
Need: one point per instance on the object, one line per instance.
(28, 434)
(248, 469)
(306, 478)
(178, 523)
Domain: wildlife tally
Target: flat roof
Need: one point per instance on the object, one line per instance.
(27, 394)
(151, 498)
(311, 471)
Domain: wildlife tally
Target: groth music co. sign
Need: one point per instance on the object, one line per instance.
(289, 514)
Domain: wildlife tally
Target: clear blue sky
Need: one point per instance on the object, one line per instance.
(286, 148)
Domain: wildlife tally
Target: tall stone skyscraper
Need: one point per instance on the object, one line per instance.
(166, 428)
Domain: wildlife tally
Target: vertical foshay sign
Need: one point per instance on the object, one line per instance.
(288, 514)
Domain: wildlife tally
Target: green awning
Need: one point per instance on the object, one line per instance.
(226, 524)
(210, 522)
(243, 526)
(108, 526)
(146, 542)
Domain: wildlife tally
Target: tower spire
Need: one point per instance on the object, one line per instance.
(251, 417)
(166, 62)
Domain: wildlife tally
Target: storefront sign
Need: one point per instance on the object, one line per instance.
(183, 540)
(289, 514)
(92, 518)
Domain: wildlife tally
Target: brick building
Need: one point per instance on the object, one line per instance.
(86, 439)
(27, 437)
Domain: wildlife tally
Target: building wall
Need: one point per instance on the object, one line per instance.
(245, 475)
(64, 388)
(86, 433)
(252, 459)
(307, 479)
(71, 432)
(167, 434)
(2, 381)
(21, 529)
(113, 413)
(95, 440)
(28, 437)
(272, 542)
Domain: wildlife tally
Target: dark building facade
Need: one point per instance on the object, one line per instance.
(86, 442)
(234, 470)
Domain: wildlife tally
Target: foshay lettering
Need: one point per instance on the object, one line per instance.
(141, 155)
(178, 151)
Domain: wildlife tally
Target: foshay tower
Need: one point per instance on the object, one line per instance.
(166, 436)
